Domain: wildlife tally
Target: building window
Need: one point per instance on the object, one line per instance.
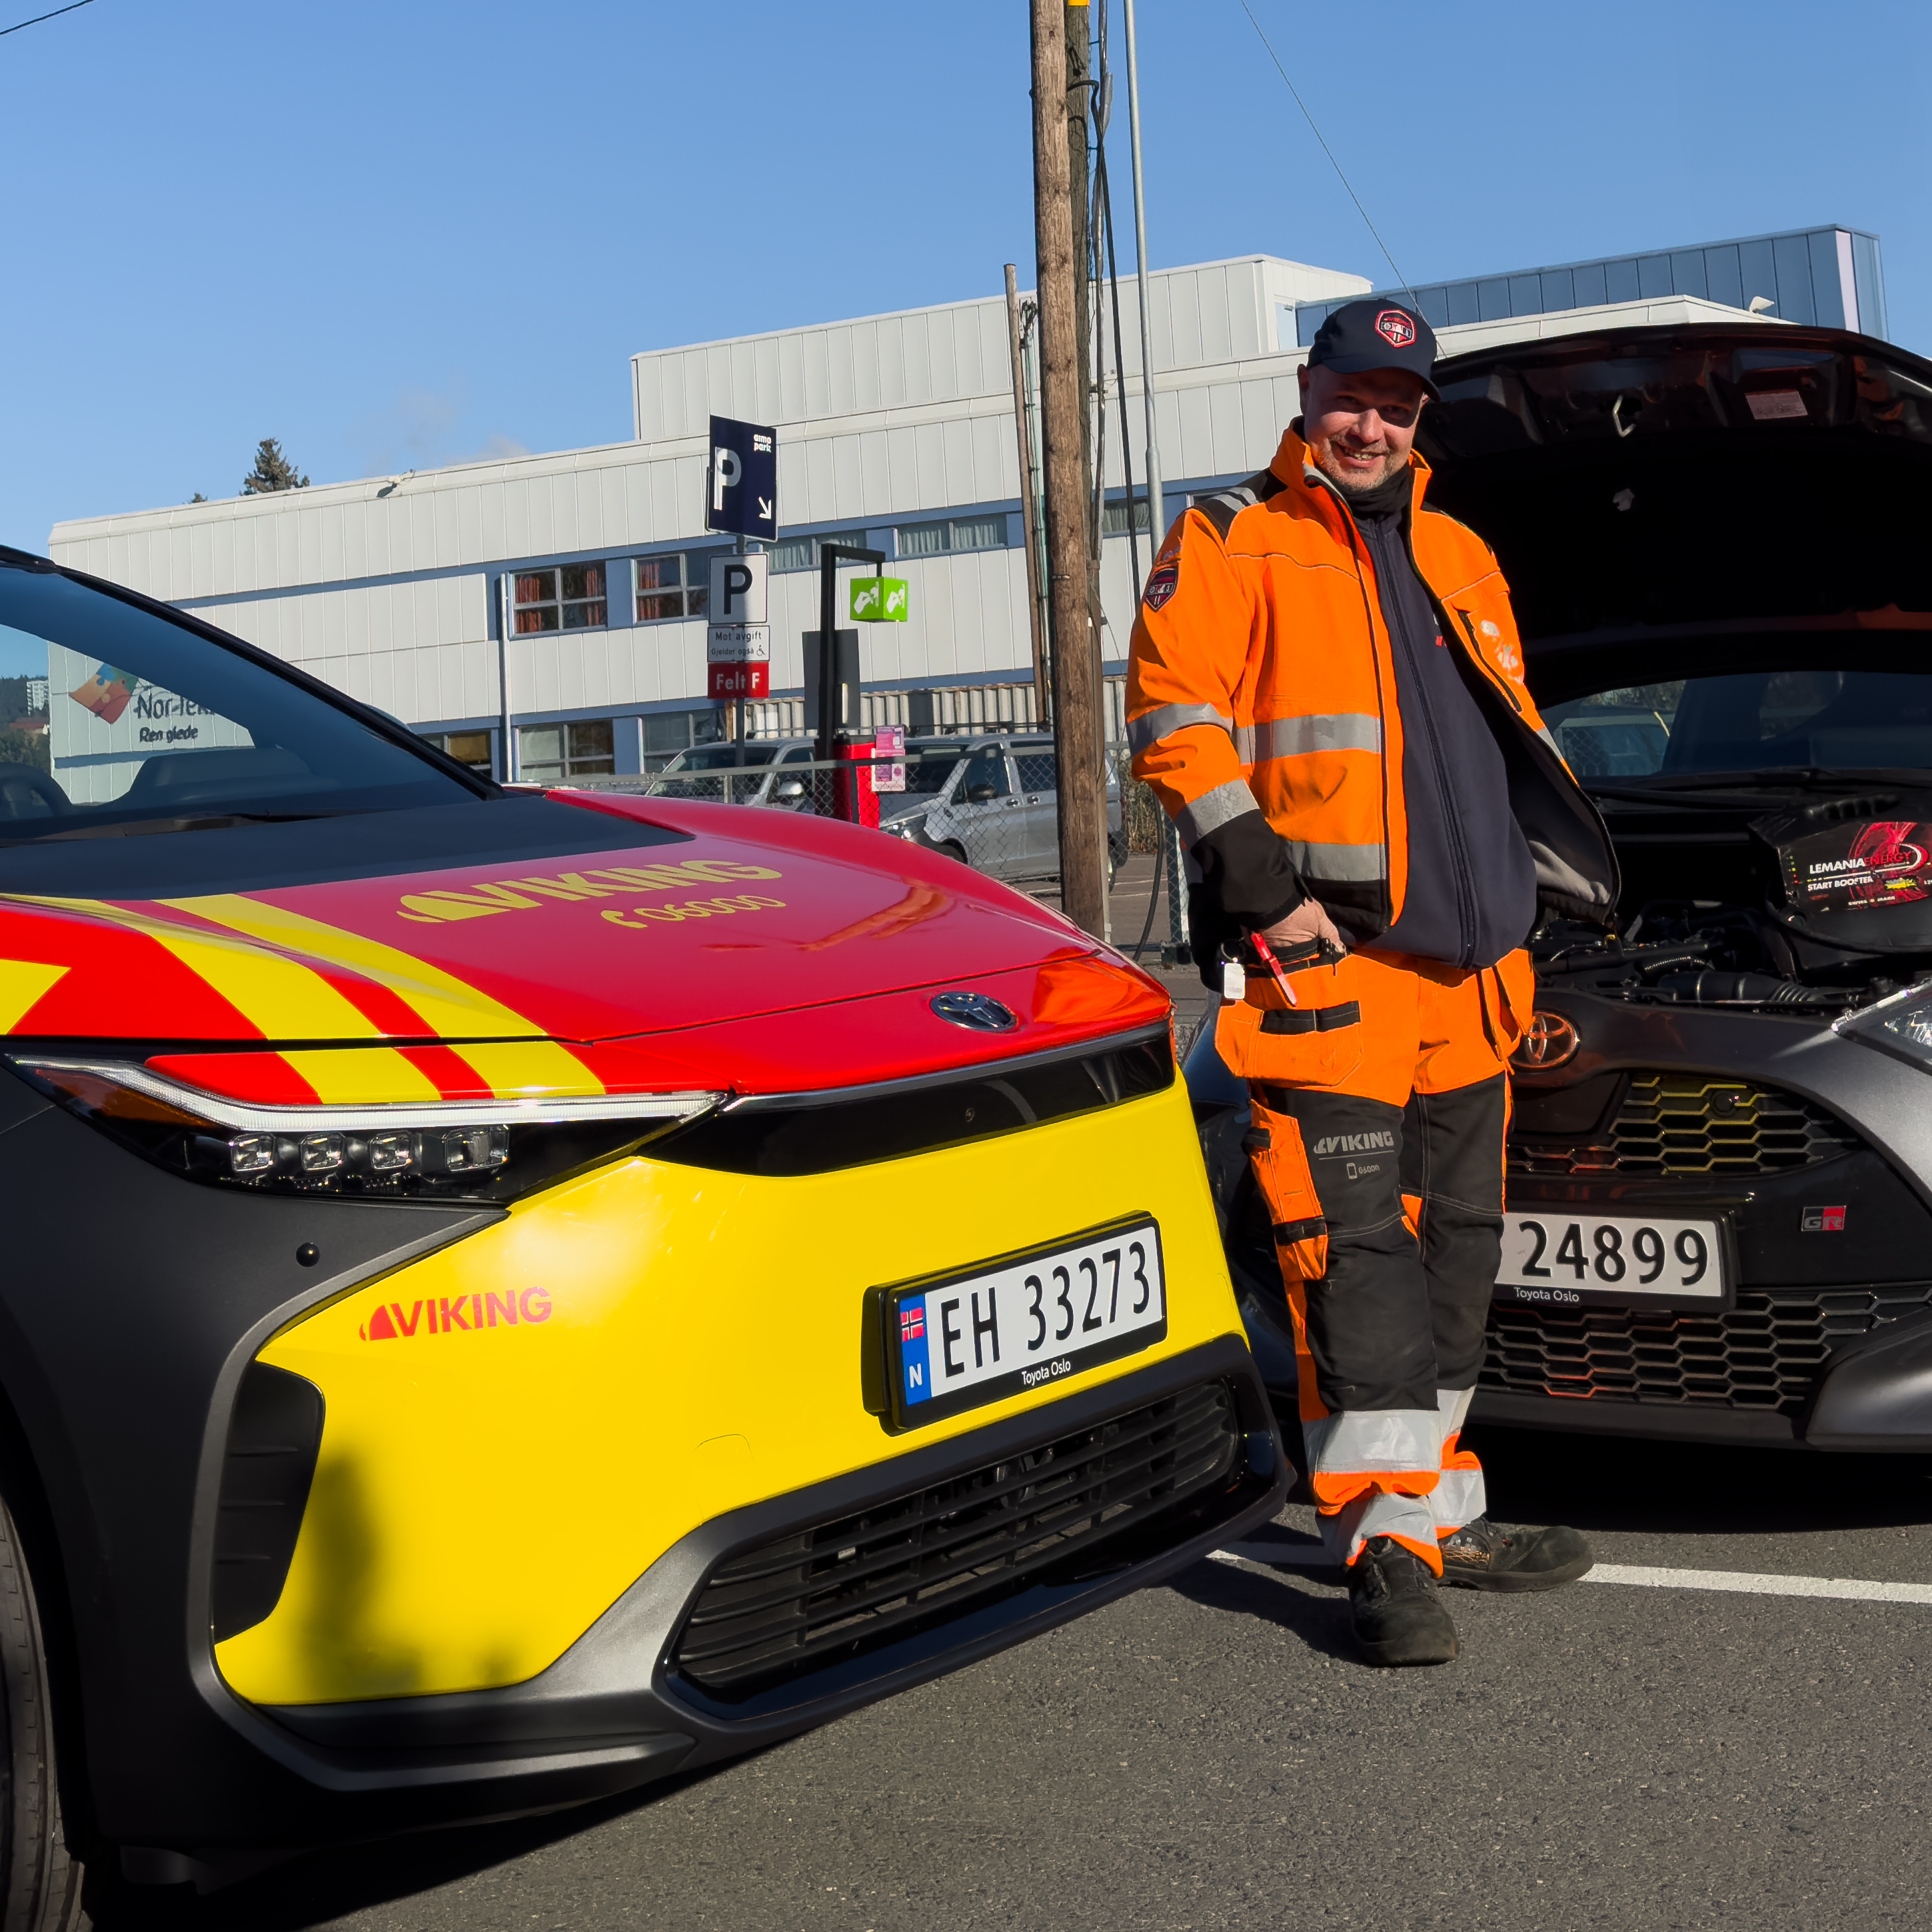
(673, 584)
(1113, 523)
(568, 598)
(807, 552)
(552, 753)
(466, 747)
(953, 534)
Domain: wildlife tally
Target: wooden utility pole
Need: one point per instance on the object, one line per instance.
(1076, 709)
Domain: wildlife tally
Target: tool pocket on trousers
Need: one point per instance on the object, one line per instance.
(1282, 1173)
(1316, 1042)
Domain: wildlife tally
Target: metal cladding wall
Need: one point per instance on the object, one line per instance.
(389, 588)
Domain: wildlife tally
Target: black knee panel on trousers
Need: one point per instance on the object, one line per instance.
(1452, 1157)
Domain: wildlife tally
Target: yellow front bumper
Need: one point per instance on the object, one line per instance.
(516, 1427)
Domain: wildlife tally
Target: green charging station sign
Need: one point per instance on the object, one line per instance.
(879, 600)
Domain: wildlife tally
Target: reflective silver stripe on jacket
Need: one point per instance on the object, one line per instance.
(1357, 864)
(1213, 809)
(1143, 734)
(1292, 737)
(1374, 1441)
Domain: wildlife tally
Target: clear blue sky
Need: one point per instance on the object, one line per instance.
(409, 232)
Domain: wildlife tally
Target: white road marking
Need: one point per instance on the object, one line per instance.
(1750, 1582)
(1286, 1555)
(1852, 1588)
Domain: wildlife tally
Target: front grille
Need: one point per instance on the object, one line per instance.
(811, 1600)
(1688, 1124)
(1765, 1353)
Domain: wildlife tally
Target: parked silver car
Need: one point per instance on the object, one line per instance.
(992, 802)
(769, 771)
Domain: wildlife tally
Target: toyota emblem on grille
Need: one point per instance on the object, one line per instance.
(1548, 1040)
(974, 1010)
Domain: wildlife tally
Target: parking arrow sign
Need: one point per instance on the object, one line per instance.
(741, 494)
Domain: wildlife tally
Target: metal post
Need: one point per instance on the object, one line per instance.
(508, 726)
(845, 791)
(1157, 507)
(1022, 429)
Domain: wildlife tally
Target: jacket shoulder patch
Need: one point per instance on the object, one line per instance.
(1163, 581)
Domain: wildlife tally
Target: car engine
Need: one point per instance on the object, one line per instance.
(1843, 918)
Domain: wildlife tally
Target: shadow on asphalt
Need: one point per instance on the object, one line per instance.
(331, 1884)
(1321, 1622)
(1613, 1483)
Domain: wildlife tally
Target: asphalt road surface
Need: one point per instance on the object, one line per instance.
(1209, 1754)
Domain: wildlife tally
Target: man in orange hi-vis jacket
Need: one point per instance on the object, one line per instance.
(1326, 693)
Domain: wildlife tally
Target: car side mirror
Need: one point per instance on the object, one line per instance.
(791, 788)
(979, 794)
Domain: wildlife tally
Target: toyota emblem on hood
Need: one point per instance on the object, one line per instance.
(1548, 1040)
(974, 1010)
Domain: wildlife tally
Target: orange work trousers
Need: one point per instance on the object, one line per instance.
(1380, 1105)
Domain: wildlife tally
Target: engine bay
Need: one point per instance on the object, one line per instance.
(1828, 903)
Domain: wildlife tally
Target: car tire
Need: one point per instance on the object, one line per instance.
(951, 848)
(39, 1879)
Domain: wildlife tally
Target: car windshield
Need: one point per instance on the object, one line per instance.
(1821, 719)
(150, 727)
(722, 758)
(930, 762)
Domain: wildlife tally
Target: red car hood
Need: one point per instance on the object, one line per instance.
(756, 951)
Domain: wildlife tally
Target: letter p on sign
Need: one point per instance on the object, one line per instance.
(739, 588)
(725, 471)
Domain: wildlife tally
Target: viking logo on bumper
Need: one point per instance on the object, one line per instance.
(444, 1314)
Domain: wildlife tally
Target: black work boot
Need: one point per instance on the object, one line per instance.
(1395, 1615)
(1482, 1556)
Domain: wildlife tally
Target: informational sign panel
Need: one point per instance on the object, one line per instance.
(739, 588)
(725, 682)
(879, 600)
(889, 741)
(846, 665)
(741, 486)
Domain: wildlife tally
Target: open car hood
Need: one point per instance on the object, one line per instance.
(1724, 494)
(663, 943)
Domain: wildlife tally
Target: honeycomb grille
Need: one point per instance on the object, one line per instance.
(1687, 1124)
(1765, 1353)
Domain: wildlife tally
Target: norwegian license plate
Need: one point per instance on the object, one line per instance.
(1555, 1259)
(1001, 1328)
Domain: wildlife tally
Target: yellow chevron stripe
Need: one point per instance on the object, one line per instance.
(529, 1069)
(283, 997)
(362, 1075)
(448, 1005)
(22, 983)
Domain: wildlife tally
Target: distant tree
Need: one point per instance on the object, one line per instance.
(272, 471)
(24, 748)
(197, 498)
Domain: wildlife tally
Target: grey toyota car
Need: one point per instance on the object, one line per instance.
(1719, 1218)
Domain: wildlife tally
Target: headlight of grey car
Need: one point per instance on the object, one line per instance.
(1901, 1024)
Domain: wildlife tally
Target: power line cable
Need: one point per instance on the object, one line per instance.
(1401, 281)
(75, 8)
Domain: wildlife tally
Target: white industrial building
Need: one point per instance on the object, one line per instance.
(894, 431)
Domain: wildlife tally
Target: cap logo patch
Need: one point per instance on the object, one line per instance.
(1395, 328)
(1162, 583)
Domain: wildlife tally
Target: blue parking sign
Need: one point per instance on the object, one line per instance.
(741, 481)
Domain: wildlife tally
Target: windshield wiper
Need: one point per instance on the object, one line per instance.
(140, 828)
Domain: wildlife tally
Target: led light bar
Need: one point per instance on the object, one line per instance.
(376, 1117)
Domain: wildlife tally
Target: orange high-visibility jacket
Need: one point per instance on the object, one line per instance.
(1261, 693)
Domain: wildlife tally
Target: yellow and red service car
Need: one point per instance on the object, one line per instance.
(509, 1296)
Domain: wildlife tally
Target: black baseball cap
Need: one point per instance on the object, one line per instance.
(1375, 334)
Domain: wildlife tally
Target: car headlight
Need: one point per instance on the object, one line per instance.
(1901, 1024)
(488, 1151)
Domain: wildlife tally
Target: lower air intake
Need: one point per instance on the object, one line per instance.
(1055, 1514)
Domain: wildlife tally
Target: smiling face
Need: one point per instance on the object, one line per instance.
(1360, 428)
